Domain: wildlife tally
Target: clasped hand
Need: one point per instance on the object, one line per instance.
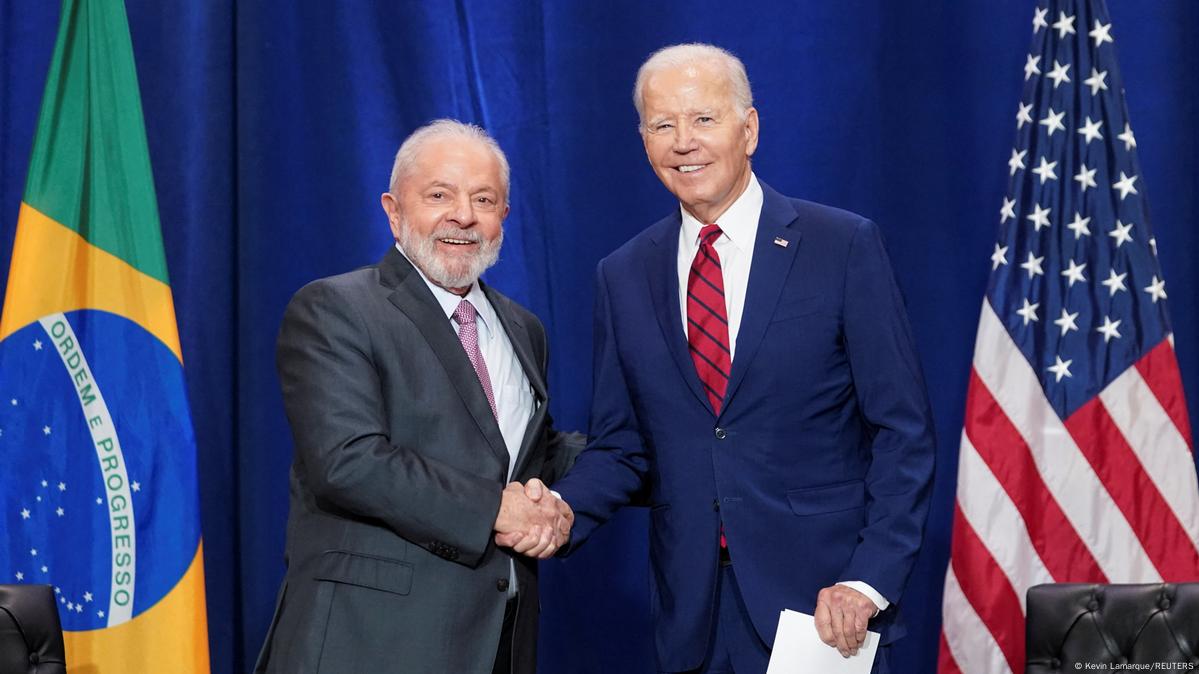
(532, 520)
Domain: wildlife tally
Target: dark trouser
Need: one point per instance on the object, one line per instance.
(734, 646)
(503, 654)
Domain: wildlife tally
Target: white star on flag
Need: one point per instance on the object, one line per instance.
(1030, 66)
(1061, 368)
(997, 258)
(1058, 74)
(1023, 116)
(1066, 322)
(1120, 233)
(1085, 178)
(1130, 141)
(1017, 161)
(20, 576)
(1096, 81)
(25, 511)
(1038, 19)
(1029, 311)
(37, 345)
(1064, 25)
(1053, 121)
(1115, 283)
(1109, 329)
(1039, 216)
(1090, 130)
(1007, 211)
(1156, 289)
(1074, 273)
(1102, 33)
(1125, 185)
(45, 430)
(1033, 265)
(1045, 170)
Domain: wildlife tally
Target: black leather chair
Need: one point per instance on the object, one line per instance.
(30, 632)
(1073, 625)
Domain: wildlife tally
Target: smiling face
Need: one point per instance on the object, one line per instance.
(449, 211)
(694, 138)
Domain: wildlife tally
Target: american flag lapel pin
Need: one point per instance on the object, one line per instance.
(781, 242)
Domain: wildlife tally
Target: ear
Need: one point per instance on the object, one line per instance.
(751, 131)
(507, 209)
(391, 206)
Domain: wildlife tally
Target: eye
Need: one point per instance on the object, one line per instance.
(437, 195)
(662, 126)
(485, 200)
(705, 120)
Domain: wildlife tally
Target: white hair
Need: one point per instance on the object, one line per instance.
(437, 130)
(689, 54)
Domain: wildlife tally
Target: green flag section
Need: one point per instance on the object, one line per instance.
(98, 492)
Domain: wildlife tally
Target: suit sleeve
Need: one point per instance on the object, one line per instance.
(610, 472)
(334, 401)
(892, 397)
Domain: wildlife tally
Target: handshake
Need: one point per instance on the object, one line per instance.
(532, 520)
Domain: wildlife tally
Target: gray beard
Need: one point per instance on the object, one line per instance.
(446, 273)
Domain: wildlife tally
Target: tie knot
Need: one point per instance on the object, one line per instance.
(709, 233)
(465, 313)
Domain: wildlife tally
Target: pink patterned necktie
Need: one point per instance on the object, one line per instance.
(468, 334)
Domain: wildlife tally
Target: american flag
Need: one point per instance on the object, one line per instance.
(1075, 461)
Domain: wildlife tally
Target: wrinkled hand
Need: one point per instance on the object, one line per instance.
(841, 617)
(532, 521)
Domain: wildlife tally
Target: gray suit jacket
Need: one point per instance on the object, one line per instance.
(396, 482)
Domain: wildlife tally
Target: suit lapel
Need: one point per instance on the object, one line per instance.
(411, 296)
(522, 344)
(767, 276)
(663, 271)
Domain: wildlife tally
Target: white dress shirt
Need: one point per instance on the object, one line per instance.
(514, 404)
(735, 247)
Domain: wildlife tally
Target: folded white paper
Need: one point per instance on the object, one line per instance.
(799, 650)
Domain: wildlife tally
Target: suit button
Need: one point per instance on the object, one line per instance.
(720, 434)
(502, 585)
(452, 554)
(716, 505)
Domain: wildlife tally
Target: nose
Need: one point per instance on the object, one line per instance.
(463, 213)
(684, 138)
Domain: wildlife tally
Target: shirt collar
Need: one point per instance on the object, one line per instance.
(448, 301)
(739, 222)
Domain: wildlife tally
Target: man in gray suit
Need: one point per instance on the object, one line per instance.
(415, 394)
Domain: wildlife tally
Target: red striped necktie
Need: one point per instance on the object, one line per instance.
(707, 318)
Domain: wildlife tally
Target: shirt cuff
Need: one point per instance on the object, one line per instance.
(879, 600)
(556, 494)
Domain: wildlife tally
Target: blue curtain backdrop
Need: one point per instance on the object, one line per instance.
(272, 124)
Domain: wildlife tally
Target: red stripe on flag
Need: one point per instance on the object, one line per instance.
(988, 590)
(1133, 491)
(1008, 456)
(945, 662)
(1159, 369)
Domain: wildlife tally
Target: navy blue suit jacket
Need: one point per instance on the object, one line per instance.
(820, 462)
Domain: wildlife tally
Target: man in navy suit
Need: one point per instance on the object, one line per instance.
(755, 378)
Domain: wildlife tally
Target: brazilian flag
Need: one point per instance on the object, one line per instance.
(97, 453)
